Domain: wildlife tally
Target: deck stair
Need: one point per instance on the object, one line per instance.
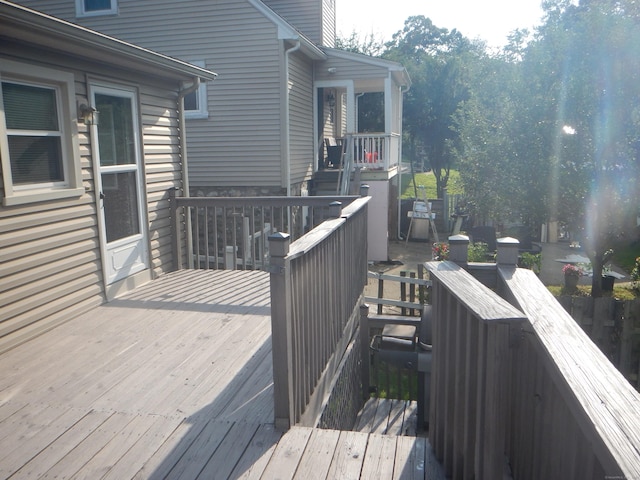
(388, 417)
(327, 182)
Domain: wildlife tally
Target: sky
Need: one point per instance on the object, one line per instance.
(490, 20)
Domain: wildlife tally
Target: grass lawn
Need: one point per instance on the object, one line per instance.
(625, 255)
(428, 180)
(620, 292)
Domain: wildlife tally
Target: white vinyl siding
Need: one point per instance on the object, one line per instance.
(50, 268)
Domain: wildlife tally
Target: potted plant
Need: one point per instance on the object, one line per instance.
(572, 274)
(440, 251)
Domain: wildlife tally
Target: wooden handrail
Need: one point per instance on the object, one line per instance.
(474, 332)
(317, 285)
(574, 414)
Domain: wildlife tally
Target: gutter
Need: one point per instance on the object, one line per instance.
(403, 89)
(183, 92)
(287, 116)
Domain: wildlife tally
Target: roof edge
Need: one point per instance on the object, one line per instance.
(286, 31)
(62, 29)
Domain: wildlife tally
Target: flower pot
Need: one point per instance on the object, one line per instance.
(607, 283)
(571, 281)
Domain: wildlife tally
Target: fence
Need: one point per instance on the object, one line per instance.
(614, 326)
(317, 285)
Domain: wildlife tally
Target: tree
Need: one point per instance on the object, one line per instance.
(556, 124)
(436, 60)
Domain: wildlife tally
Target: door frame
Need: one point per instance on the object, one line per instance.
(141, 273)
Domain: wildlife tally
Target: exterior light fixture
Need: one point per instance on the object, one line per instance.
(331, 100)
(89, 115)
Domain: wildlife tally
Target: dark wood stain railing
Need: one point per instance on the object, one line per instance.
(473, 335)
(574, 415)
(531, 394)
(317, 286)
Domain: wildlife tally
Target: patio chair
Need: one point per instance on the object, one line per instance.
(334, 152)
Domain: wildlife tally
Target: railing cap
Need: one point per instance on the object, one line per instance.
(458, 239)
(508, 241)
(279, 243)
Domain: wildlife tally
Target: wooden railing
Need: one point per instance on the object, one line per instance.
(317, 285)
(524, 391)
(231, 233)
(473, 334)
(376, 150)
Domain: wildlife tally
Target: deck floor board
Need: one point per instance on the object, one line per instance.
(174, 380)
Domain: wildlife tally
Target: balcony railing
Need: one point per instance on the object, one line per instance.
(522, 387)
(376, 151)
(231, 233)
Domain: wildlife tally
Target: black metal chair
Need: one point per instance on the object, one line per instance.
(406, 342)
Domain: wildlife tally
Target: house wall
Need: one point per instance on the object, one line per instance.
(301, 118)
(239, 146)
(50, 265)
(316, 19)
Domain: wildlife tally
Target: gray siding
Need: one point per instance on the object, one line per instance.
(316, 19)
(304, 15)
(301, 118)
(240, 143)
(50, 268)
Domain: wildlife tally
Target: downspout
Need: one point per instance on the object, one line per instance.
(184, 91)
(287, 117)
(403, 90)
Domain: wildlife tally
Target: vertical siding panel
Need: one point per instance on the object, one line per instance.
(301, 129)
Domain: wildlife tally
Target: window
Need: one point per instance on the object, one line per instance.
(39, 151)
(195, 104)
(88, 8)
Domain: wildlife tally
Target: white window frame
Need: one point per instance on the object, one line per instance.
(201, 96)
(63, 84)
(81, 12)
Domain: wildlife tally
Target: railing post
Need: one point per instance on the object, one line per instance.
(459, 249)
(364, 350)
(175, 230)
(507, 251)
(335, 209)
(281, 331)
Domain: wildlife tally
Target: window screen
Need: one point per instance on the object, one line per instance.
(33, 133)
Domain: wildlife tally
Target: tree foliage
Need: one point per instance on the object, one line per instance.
(436, 60)
(546, 129)
(558, 123)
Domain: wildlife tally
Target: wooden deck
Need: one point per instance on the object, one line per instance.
(172, 381)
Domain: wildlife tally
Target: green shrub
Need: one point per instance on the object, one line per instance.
(532, 261)
(478, 252)
(635, 275)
